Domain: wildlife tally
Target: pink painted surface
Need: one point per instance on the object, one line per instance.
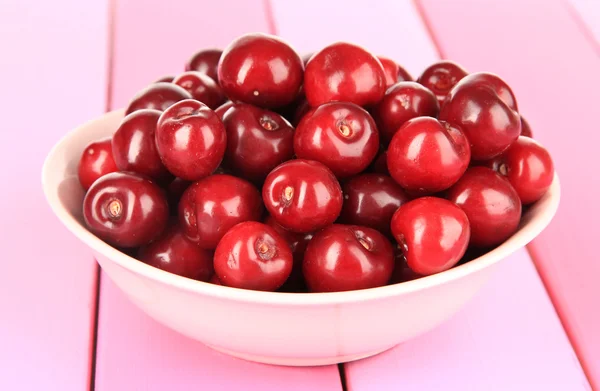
(481, 348)
(54, 62)
(507, 338)
(589, 13)
(162, 358)
(553, 70)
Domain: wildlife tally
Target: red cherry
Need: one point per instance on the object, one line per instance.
(215, 280)
(403, 101)
(393, 72)
(175, 190)
(341, 135)
(210, 207)
(165, 79)
(347, 257)
(157, 96)
(252, 255)
(370, 200)
(441, 76)
(302, 109)
(221, 110)
(125, 209)
(497, 84)
(489, 123)
(297, 243)
(96, 160)
(174, 253)
(402, 273)
(344, 72)
(528, 167)
(427, 155)
(433, 234)
(134, 146)
(525, 128)
(202, 88)
(262, 70)
(379, 165)
(258, 140)
(491, 204)
(205, 61)
(190, 139)
(302, 195)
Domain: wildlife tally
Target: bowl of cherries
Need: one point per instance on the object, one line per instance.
(304, 211)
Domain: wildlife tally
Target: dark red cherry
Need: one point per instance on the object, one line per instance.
(165, 79)
(393, 72)
(427, 155)
(491, 204)
(497, 84)
(190, 139)
(302, 195)
(175, 190)
(433, 234)
(441, 76)
(205, 61)
(379, 165)
(403, 101)
(215, 280)
(525, 128)
(402, 273)
(252, 255)
(134, 145)
(157, 96)
(174, 253)
(347, 257)
(221, 110)
(341, 135)
(125, 209)
(258, 140)
(302, 108)
(262, 70)
(96, 160)
(528, 167)
(344, 72)
(489, 123)
(370, 200)
(211, 206)
(202, 88)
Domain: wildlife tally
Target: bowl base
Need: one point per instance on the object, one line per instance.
(299, 362)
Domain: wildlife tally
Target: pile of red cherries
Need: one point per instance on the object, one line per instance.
(258, 169)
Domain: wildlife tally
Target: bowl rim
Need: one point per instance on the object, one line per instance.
(525, 234)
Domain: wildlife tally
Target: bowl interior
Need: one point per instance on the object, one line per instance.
(65, 196)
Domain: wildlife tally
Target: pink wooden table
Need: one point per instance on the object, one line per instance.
(534, 326)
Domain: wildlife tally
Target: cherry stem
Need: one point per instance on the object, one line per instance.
(365, 243)
(344, 130)
(288, 193)
(264, 250)
(115, 208)
(268, 124)
(503, 169)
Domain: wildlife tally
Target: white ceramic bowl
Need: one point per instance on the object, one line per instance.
(278, 328)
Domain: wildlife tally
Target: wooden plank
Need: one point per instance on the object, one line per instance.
(54, 60)
(505, 332)
(153, 39)
(553, 70)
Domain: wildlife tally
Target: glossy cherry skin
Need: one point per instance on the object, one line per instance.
(344, 72)
(221, 110)
(252, 255)
(165, 79)
(134, 146)
(190, 139)
(157, 96)
(402, 273)
(205, 61)
(528, 167)
(440, 77)
(262, 70)
(341, 135)
(211, 206)
(427, 155)
(403, 101)
(370, 200)
(174, 253)
(125, 209)
(347, 257)
(297, 243)
(433, 234)
(393, 72)
(491, 204)
(202, 88)
(525, 128)
(489, 123)
(258, 140)
(96, 160)
(499, 86)
(302, 195)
